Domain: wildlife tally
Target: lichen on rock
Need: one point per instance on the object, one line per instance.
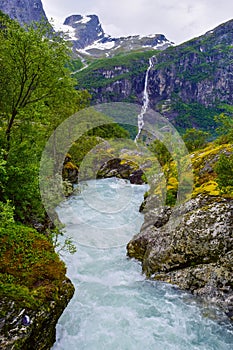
(191, 246)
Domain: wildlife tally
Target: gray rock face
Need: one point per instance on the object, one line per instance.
(24, 11)
(191, 247)
(32, 329)
(87, 29)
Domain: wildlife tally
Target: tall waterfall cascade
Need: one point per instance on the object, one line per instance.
(145, 101)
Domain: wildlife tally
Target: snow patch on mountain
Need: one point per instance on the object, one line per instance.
(84, 20)
(100, 46)
(89, 38)
(66, 29)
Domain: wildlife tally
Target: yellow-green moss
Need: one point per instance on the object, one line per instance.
(70, 166)
(210, 188)
(31, 271)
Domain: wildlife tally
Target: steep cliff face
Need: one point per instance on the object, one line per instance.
(24, 11)
(199, 71)
(189, 83)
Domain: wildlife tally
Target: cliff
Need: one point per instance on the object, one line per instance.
(188, 84)
(24, 11)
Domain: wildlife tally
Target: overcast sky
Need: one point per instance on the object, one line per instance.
(178, 20)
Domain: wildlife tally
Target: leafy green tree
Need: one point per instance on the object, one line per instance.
(158, 148)
(33, 74)
(224, 170)
(37, 94)
(195, 139)
(225, 127)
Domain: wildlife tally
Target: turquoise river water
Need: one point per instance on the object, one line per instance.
(114, 306)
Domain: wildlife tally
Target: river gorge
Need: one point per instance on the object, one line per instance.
(114, 306)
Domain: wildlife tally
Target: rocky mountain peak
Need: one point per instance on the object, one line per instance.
(89, 38)
(86, 29)
(24, 11)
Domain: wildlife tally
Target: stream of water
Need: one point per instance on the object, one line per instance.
(145, 101)
(114, 306)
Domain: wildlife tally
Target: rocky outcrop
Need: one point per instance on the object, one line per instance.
(24, 11)
(87, 29)
(34, 289)
(190, 246)
(123, 169)
(27, 329)
(70, 170)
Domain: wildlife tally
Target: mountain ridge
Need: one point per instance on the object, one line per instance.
(89, 39)
(84, 31)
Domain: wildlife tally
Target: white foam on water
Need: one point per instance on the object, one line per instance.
(115, 308)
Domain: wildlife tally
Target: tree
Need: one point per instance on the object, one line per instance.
(224, 170)
(37, 93)
(225, 127)
(33, 73)
(195, 139)
(158, 148)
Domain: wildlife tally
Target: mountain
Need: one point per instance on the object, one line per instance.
(24, 11)
(85, 32)
(88, 38)
(188, 84)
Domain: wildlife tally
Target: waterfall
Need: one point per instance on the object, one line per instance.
(145, 101)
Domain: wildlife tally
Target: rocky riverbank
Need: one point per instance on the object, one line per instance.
(26, 329)
(34, 289)
(190, 246)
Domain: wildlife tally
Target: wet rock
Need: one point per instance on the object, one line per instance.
(190, 246)
(136, 177)
(28, 329)
(122, 168)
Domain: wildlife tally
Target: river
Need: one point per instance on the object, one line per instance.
(114, 306)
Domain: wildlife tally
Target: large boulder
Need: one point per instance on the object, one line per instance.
(190, 246)
(34, 289)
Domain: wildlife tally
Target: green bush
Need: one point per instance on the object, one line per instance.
(224, 170)
(195, 139)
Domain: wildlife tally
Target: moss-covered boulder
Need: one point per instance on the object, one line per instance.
(70, 170)
(34, 290)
